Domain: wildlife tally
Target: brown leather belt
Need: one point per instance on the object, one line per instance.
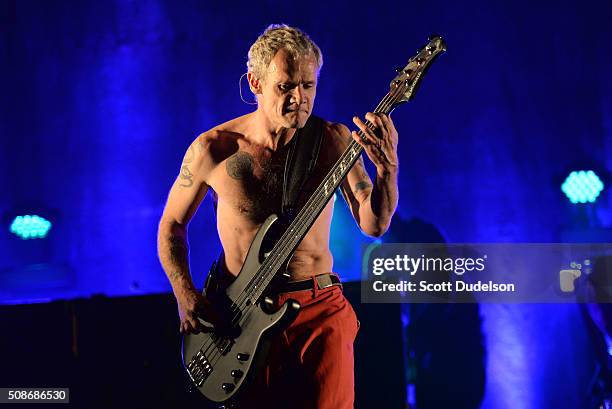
(323, 281)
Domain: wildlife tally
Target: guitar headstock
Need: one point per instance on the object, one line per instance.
(408, 78)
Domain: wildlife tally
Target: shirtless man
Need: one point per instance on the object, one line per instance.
(242, 162)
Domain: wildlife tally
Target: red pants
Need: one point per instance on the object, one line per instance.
(310, 364)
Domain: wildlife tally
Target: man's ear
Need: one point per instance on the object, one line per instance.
(254, 83)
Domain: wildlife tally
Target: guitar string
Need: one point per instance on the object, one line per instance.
(310, 203)
(386, 103)
(279, 253)
(263, 277)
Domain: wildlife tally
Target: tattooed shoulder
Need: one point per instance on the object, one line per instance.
(186, 176)
(189, 155)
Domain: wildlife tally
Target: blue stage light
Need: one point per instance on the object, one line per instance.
(30, 227)
(582, 186)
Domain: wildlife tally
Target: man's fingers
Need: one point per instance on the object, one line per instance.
(375, 119)
(205, 326)
(195, 326)
(374, 153)
(365, 141)
(360, 124)
(366, 138)
(386, 120)
(367, 133)
(191, 325)
(368, 141)
(387, 123)
(209, 314)
(375, 127)
(390, 127)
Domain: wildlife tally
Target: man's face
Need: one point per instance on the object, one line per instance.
(289, 90)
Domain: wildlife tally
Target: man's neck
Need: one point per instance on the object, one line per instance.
(267, 134)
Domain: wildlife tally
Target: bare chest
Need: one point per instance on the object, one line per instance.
(250, 184)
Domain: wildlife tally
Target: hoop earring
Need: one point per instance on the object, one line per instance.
(240, 89)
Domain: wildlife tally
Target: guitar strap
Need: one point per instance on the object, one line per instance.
(301, 161)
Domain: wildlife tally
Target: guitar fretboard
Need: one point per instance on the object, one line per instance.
(299, 227)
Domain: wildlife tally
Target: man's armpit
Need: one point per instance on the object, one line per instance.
(362, 185)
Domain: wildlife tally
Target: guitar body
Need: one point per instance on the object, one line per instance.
(219, 361)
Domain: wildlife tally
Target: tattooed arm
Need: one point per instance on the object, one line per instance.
(184, 198)
(372, 205)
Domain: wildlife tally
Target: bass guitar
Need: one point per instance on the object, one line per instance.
(220, 361)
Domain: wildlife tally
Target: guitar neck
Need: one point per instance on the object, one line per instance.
(299, 227)
(402, 90)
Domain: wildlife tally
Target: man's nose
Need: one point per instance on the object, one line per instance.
(298, 95)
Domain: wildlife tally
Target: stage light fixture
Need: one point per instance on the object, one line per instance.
(582, 186)
(30, 227)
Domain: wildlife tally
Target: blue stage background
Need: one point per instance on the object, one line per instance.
(101, 99)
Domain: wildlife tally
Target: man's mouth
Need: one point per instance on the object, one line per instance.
(294, 110)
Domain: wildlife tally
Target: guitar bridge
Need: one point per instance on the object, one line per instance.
(199, 368)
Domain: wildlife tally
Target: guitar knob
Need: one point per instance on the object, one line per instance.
(227, 387)
(236, 373)
(242, 357)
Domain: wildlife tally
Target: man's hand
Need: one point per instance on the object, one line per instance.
(193, 305)
(379, 142)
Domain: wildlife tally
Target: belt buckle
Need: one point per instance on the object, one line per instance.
(324, 281)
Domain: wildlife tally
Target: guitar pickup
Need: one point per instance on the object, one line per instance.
(223, 344)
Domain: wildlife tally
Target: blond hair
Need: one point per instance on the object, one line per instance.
(276, 37)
